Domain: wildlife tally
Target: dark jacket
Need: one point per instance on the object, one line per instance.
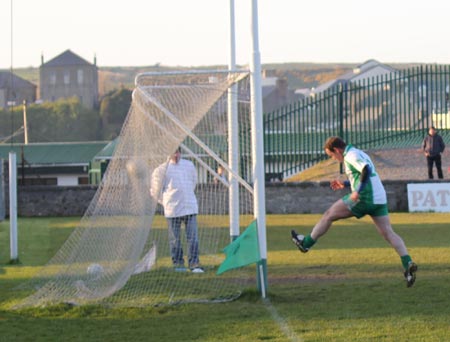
(433, 144)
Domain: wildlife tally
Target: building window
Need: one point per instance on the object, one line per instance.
(80, 76)
(66, 77)
(53, 78)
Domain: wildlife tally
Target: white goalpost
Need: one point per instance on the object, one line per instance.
(120, 254)
(258, 150)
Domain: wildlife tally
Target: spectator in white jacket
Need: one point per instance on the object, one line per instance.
(175, 182)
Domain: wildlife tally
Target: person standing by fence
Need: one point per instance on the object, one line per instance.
(433, 146)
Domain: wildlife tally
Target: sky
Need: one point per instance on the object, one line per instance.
(196, 32)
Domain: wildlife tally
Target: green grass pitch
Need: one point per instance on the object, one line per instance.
(349, 287)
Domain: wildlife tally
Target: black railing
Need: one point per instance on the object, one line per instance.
(392, 110)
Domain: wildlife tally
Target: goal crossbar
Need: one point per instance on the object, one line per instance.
(186, 72)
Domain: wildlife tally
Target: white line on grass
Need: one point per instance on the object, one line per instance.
(284, 327)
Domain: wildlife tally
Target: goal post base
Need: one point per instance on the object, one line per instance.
(261, 271)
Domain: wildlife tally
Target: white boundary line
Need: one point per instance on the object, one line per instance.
(284, 326)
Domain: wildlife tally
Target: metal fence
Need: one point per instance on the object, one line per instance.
(389, 111)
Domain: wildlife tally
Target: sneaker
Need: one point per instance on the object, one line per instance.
(197, 270)
(180, 269)
(410, 274)
(298, 240)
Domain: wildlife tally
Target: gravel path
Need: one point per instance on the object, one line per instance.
(405, 164)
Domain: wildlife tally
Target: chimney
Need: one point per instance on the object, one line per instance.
(282, 88)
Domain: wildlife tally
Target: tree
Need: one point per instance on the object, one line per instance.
(60, 121)
(113, 111)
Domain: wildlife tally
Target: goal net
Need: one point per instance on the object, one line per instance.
(119, 255)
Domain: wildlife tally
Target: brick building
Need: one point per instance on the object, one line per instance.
(14, 90)
(68, 75)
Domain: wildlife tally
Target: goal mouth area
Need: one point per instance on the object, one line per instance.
(125, 219)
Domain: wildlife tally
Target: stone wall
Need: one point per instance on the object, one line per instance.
(52, 200)
(316, 197)
(281, 198)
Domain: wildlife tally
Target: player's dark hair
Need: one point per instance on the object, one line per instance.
(334, 142)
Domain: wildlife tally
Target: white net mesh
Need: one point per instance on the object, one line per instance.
(119, 255)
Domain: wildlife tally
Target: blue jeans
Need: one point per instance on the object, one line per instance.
(176, 250)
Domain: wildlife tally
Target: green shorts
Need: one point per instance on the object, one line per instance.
(362, 208)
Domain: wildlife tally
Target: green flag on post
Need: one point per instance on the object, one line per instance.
(243, 251)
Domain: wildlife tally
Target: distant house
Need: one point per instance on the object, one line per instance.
(367, 70)
(14, 90)
(53, 163)
(276, 93)
(68, 75)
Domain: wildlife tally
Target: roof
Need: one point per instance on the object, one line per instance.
(267, 90)
(65, 59)
(217, 142)
(74, 153)
(108, 151)
(17, 82)
(356, 74)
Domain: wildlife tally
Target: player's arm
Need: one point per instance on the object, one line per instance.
(365, 176)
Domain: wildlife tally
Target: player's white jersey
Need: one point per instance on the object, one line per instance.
(354, 161)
